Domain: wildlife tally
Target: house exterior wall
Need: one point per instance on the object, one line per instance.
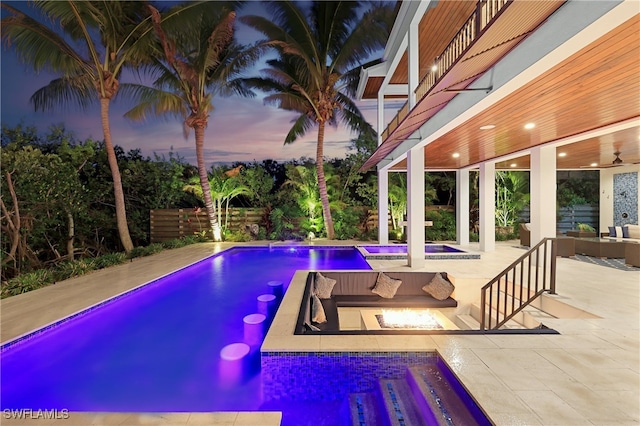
(614, 182)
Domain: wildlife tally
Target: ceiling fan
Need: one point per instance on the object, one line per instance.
(617, 161)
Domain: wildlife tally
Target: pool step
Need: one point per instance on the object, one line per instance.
(399, 404)
(364, 410)
(429, 394)
(439, 401)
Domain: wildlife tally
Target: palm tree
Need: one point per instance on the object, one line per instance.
(512, 195)
(87, 44)
(201, 59)
(321, 47)
(223, 189)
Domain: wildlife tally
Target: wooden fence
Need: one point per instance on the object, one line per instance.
(569, 217)
(168, 224)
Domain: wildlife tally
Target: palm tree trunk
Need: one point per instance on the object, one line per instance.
(322, 183)
(204, 181)
(121, 212)
(71, 234)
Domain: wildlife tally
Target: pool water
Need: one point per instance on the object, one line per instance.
(402, 248)
(157, 349)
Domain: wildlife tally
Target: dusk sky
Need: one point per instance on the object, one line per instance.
(240, 129)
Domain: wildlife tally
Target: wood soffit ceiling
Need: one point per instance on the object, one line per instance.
(596, 87)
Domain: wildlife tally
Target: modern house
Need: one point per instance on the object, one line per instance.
(495, 84)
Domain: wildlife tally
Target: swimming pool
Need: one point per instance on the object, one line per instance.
(399, 251)
(157, 348)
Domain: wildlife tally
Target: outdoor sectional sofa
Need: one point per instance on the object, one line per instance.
(354, 289)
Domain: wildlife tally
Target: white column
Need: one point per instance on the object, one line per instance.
(414, 64)
(383, 207)
(487, 205)
(543, 193)
(462, 207)
(381, 123)
(415, 207)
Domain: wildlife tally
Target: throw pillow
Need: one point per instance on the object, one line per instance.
(439, 288)
(311, 327)
(317, 311)
(625, 232)
(386, 286)
(324, 286)
(612, 231)
(618, 231)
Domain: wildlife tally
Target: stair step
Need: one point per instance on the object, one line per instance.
(401, 408)
(439, 400)
(467, 322)
(514, 323)
(364, 410)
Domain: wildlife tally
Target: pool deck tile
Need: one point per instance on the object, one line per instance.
(587, 375)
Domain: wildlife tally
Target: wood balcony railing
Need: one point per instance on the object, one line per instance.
(482, 16)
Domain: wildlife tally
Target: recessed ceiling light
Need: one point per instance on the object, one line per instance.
(529, 126)
(594, 164)
(562, 154)
(514, 165)
(488, 127)
(455, 155)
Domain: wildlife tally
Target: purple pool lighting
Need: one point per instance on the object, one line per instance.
(402, 248)
(159, 347)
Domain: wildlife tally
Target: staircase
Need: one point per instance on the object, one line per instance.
(428, 395)
(513, 290)
(517, 297)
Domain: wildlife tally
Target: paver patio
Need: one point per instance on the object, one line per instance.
(589, 374)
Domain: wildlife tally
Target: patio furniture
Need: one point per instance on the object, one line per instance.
(632, 253)
(600, 247)
(354, 289)
(581, 234)
(566, 246)
(525, 235)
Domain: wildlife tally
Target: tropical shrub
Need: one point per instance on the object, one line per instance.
(26, 282)
(146, 250)
(110, 259)
(444, 226)
(348, 223)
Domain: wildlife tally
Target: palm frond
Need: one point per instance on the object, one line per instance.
(219, 40)
(300, 127)
(72, 90)
(332, 23)
(350, 114)
(369, 35)
(153, 102)
(39, 45)
(287, 101)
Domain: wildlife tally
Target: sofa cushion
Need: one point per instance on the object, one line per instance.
(374, 301)
(386, 286)
(617, 232)
(439, 288)
(324, 286)
(317, 311)
(634, 231)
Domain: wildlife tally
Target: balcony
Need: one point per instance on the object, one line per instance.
(493, 29)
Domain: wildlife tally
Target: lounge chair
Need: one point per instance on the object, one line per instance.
(525, 235)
